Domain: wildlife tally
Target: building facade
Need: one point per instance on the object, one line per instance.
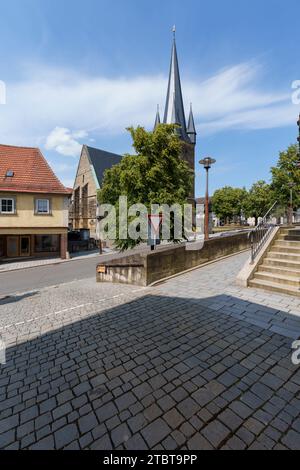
(33, 206)
(92, 165)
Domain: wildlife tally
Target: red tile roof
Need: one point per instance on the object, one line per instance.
(32, 174)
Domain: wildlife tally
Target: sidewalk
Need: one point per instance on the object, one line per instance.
(33, 263)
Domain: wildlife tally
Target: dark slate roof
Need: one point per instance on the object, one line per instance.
(174, 110)
(157, 119)
(102, 160)
(191, 125)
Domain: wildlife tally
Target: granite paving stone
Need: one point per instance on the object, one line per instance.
(194, 363)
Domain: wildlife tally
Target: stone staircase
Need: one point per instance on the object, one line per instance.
(279, 270)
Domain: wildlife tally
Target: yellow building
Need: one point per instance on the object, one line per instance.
(33, 206)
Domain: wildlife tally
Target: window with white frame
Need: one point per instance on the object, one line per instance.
(42, 206)
(7, 206)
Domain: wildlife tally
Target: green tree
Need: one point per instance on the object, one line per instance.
(260, 199)
(156, 174)
(229, 203)
(286, 172)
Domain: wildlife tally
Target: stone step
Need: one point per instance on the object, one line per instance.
(279, 279)
(281, 263)
(289, 238)
(287, 256)
(278, 270)
(290, 243)
(275, 287)
(283, 248)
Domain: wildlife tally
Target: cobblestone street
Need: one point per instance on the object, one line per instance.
(193, 363)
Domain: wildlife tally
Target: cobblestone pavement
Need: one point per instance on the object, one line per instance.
(194, 363)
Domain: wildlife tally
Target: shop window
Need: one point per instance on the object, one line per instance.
(46, 244)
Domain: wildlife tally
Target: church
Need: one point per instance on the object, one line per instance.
(175, 114)
(94, 162)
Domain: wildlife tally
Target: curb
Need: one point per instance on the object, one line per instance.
(53, 263)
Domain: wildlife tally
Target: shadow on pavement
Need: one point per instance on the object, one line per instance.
(10, 299)
(155, 373)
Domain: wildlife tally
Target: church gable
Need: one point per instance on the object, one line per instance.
(85, 173)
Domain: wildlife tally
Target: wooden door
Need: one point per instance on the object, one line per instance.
(24, 246)
(13, 247)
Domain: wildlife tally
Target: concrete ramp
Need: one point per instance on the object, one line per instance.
(146, 268)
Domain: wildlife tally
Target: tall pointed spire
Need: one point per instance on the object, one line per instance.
(157, 119)
(174, 111)
(191, 130)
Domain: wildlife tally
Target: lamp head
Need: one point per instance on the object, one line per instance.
(207, 162)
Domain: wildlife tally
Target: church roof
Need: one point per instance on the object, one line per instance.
(157, 119)
(174, 110)
(101, 161)
(191, 125)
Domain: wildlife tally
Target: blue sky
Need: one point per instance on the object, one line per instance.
(80, 72)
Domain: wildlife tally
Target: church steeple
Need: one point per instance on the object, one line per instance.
(174, 114)
(174, 110)
(191, 130)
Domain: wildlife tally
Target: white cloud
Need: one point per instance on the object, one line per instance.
(232, 99)
(64, 141)
(51, 106)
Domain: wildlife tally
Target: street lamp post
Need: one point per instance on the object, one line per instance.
(207, 163)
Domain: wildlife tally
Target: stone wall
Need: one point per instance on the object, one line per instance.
(147, 267)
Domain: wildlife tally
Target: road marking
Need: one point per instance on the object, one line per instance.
(71, 309)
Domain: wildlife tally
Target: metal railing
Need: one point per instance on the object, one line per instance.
(261, 234)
